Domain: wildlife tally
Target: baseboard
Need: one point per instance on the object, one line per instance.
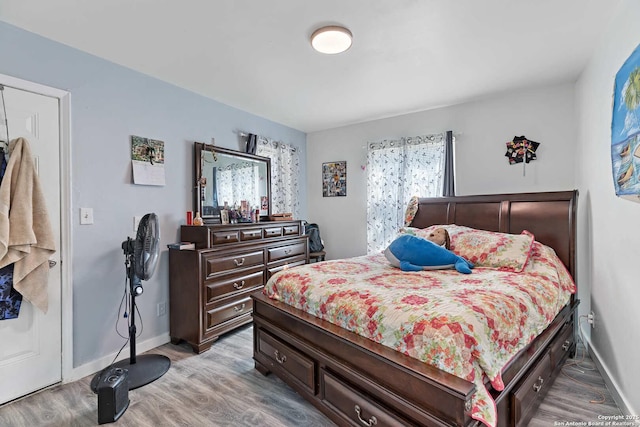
(612, 385)
(99, 364)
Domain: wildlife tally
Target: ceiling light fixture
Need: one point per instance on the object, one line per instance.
(331, 39)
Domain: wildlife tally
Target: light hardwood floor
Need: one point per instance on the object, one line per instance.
(221, 388)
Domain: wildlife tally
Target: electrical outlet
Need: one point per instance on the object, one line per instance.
(162, 309)
(591, 318)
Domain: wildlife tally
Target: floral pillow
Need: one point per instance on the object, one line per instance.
(410, 213)
(501, 251)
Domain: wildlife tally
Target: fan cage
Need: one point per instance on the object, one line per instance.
(146, 246)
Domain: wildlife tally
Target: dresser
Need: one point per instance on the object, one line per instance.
(210, 286)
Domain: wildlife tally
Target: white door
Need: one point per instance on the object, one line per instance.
(31, 345)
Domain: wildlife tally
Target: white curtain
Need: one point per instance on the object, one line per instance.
(396, 171)
(237, 182)
(285, 175)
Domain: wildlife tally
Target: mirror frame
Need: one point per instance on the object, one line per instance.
(198, 148)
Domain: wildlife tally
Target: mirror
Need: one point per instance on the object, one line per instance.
(239, 181)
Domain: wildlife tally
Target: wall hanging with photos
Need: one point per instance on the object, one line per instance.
(521, 150)
(334, 179)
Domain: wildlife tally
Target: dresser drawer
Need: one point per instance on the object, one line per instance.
(562, 344)
(250, 234)
(272, 231)
(282, 357)
(215, 264)
(288, 251)
(225, 236)
(291, 230)
(226, 286)
(225, 312)
(530, 390)
(353, 406)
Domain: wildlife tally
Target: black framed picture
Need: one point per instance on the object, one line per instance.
(334, 179)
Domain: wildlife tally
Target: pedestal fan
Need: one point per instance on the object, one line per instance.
(141, 257)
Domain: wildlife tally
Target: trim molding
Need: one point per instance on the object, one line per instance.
(97, 365)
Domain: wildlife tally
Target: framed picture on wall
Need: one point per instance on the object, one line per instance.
(334, 179)
(625, 129)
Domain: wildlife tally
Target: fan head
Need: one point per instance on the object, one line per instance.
(146, 247)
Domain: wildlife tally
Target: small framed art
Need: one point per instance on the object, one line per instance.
(334, 179)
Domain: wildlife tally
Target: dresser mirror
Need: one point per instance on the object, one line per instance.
(230, 178)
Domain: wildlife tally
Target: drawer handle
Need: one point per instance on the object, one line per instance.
(372, 420)
(238, 263)
(280, 359)
(566, 345)
(236, 308)
(228, 236)
(239, 286)
(538, 385)
(287, 251)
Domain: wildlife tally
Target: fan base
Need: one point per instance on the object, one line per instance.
(148, 368)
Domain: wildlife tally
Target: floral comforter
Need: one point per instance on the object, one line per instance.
(467, 325)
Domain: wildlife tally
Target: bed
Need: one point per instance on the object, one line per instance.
(357, 380)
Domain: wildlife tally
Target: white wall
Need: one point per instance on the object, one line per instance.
(482, 127)
(608, 226)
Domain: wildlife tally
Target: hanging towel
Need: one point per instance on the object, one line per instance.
(26, 237)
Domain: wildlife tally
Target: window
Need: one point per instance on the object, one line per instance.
(285, 175)
(396, 171)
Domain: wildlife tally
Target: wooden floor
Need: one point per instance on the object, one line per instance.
(221, 388)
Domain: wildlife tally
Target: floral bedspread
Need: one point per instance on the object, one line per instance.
(467, 325)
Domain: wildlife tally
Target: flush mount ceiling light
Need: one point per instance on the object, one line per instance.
(331, 39)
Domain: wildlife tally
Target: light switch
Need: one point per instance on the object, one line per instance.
(86, 216)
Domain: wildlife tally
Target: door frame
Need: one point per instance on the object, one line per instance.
(66, 277)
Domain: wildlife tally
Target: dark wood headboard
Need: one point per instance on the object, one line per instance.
(550, 216)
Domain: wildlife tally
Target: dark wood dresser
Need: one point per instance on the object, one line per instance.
(210, 286)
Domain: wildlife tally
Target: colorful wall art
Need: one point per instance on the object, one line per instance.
(334, 179)
(625, 129)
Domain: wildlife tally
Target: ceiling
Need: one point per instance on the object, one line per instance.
(255, 55)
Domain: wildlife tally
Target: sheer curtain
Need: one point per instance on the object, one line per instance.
(396, 171)
(237, 182)
(285, 175)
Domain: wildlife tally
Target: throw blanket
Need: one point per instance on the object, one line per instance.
(467, 325)
(26, 238)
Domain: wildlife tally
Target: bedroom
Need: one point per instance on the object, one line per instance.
(111, 102)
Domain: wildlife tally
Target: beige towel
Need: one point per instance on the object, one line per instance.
(26, 238)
